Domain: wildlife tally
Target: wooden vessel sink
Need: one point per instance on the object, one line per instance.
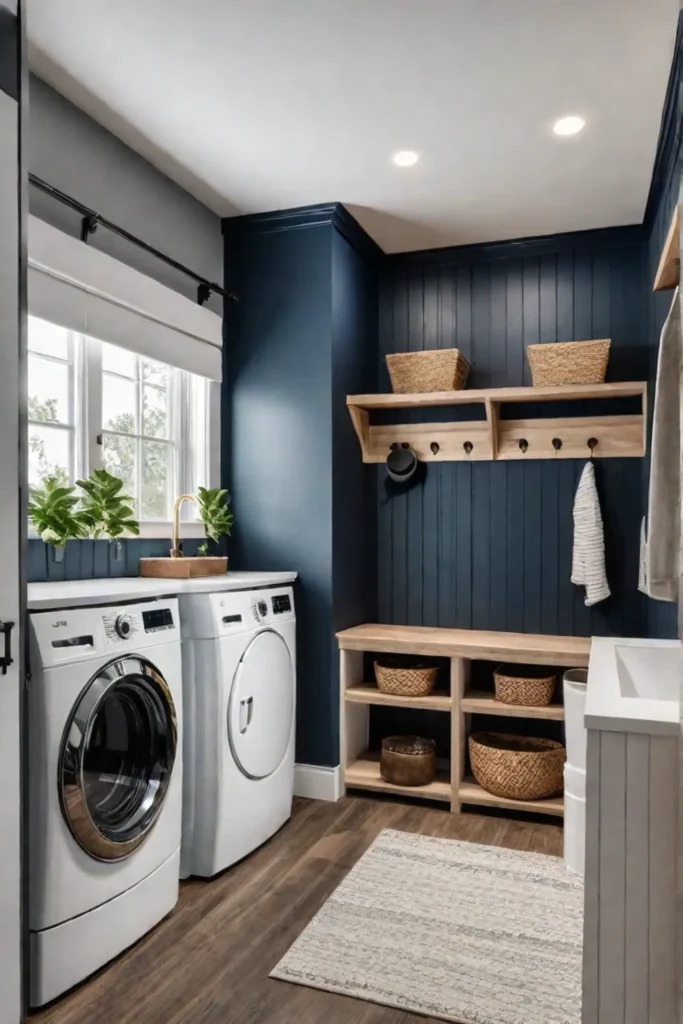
(184, 568)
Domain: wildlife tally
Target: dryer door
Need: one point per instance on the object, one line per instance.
(261, 709)
(118, 752)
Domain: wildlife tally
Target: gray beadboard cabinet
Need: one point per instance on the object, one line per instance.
(630, 881)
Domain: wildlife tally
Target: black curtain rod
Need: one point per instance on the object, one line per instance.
(89, 225)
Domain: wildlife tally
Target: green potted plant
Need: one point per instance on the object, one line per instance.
(214, 511)
(52, 512)
(105, 511)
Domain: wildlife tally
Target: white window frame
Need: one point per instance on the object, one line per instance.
(87, 450)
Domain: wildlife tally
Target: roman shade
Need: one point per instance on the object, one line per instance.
(84, 290)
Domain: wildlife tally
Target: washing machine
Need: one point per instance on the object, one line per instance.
(239, 684)
(105, 785)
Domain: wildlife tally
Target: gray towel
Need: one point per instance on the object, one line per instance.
(588, 556)
(662, 558)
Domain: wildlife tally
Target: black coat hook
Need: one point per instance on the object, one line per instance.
(468, 446)
(523, 444)
(435, 447)
(557, 443)
(592, 444)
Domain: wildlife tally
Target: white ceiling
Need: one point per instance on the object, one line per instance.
(269, 104)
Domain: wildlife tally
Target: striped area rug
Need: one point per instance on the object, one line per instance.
(455, 931)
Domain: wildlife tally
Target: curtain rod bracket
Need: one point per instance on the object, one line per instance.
(203, 292)
(88, 226)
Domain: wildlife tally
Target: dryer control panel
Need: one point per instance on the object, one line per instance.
(203, 616)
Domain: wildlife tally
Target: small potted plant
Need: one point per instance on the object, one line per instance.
(214, 511)
(52, 512)
(105, 511)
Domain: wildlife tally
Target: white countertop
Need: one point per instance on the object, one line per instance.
(84, 593)
(633, 686)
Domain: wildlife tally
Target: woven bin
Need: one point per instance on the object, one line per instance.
(527, 685)
(408, 760)
(517, 767)
(403, 680)
(443, 369)
(569, 362)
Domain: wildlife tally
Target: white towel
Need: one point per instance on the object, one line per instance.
(588, 556)
(662, 558)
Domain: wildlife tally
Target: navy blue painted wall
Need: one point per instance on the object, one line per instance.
(488, 545)
(95, 559)
(354, 371)
(293, 346)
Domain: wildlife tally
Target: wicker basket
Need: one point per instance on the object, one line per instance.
(405, 680)
(408, 760)
(517, 767)
(569, 362)
(443, 369)
(524, 684)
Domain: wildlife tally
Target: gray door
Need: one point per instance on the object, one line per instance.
(12, 313)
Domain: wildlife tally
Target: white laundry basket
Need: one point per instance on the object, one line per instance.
(574, 685)
(575, 770)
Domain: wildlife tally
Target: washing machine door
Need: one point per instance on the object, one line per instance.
(117, 755)
(261, 708)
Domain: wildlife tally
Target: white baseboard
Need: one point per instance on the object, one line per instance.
(317, 783)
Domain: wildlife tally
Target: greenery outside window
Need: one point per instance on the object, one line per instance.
(93, 405)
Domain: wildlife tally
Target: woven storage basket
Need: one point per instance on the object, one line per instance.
(569, 362)
(521, 684)
(443, 369)
(517, 767)
(408, 760)
(405, 680)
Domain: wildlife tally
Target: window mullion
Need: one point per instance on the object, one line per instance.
(91, 405)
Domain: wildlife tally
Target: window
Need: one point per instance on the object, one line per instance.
(52, 356)
(92, 404)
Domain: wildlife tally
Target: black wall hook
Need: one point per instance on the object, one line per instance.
(557, 443)
(468, 446)
(435, 447)
(523, 444)
(592, 444)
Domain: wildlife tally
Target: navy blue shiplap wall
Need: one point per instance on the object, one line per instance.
(488, 545)
(95, 559)
(301, 338)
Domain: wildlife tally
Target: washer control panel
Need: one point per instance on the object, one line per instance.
(282, 603)
(157, 619)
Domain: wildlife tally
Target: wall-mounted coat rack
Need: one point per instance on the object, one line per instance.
(669, 269)
(494, 438)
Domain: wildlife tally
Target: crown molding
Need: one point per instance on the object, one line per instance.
(631, 234)
(302, 217)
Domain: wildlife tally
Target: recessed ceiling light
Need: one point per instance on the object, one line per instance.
(569, 125)
(405, 158)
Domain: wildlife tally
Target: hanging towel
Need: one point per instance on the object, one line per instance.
(663, 531)
(588, 557)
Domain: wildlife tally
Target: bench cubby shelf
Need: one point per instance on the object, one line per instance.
(497, 439)
(360, 767)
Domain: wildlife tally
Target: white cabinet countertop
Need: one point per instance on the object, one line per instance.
(84, 593)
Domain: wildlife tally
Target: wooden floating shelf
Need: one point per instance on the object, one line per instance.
(669, 269)
(476, 702)
(366, 693)
(470, 792)
(494, 438)
(363, 773)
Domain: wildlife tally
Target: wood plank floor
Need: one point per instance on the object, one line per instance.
(208, 963)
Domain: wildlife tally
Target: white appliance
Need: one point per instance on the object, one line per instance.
(105, 785)
(239, 684)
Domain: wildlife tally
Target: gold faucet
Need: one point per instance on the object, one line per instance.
(176, 550)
